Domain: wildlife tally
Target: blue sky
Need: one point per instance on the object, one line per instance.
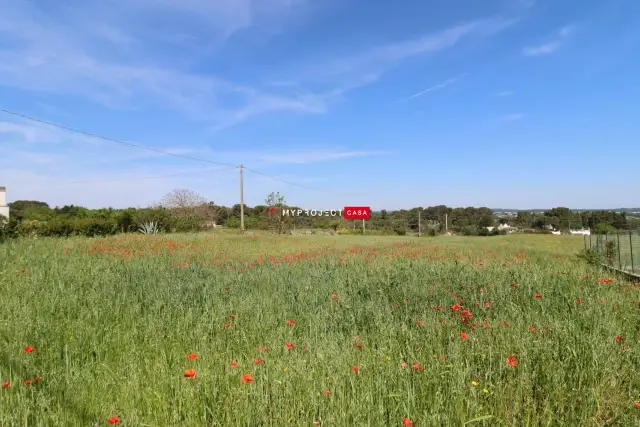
(499, 103)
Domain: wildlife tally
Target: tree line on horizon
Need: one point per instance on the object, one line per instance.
(184, 210)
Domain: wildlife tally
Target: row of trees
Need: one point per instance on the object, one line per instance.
(566, 219)
(185, 210)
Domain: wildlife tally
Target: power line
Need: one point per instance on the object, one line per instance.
(299, 185)
(130, 144)
(151, 177)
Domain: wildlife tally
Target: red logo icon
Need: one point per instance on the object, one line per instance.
(357, 212)
(272, 211)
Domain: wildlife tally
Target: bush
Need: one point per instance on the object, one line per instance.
(183, 224)
(400, 227)
(232, 222)
(160, 216)
(90, 227)
(591, 256)
(470, 231)
(8, 228)
(484, 232)
(252, 223)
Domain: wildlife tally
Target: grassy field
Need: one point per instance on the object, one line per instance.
(301, 331)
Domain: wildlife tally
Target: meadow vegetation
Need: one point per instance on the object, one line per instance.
(235, 330)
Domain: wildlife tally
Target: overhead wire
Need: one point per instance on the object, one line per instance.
(298, 185)
(211, 170)
(168, 153)
(130, 144)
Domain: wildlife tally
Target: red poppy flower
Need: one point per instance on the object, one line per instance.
(464, 335)
(418, 367)
(456, 307)
(578, 301)
(407, 422)
(37, 379)
(290, 345)
(27, 382)
(233, 363)
(6, 384)
(511, 360)
(247, 378)
(190, 373)
(193, 356)
(24, 270)
(356, 369)
(532, 328)
(327, 392)
(420, 322)
(637, 404)
(29, 349)
(259, 361)
(619, 338)
(538, 296)
(114, 420)
(291, 322)
(404, 365)
(335, 296)
(514, 285)
(232, 316)
(443, 357)
(227, 325)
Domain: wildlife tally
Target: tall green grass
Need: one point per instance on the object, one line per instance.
(113, 321)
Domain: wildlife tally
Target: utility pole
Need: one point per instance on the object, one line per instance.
(419, 231)
(446, 222)
(241, 199)
(362, 225)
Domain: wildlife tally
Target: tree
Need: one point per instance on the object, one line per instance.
(184, 202)
(486, 221)
(276, 200)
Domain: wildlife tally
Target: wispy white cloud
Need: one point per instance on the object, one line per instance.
(552, 45)
(513, 116)
(113, 56)
(308, 156)
(438, 86)
(542, 49)
(506, 93)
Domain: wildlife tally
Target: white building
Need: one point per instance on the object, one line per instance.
(583, 232)
(4, 209)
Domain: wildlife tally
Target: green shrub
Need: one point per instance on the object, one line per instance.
(183, 224)
(160, 216)
(232, 222)
(591, 256)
